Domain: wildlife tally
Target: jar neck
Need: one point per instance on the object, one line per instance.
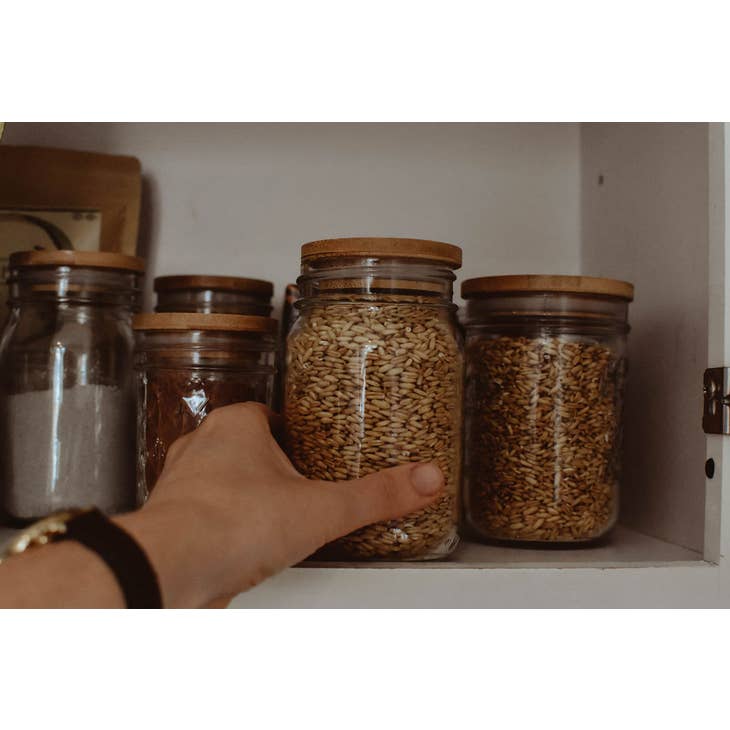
(548, 310)
(196, 349)
(64, 285)
(350, 279)
(209, 301)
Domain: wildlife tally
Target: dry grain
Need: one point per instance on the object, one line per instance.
(543, 437)
(370, 385)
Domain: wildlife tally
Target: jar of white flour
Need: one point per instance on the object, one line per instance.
(67, 400)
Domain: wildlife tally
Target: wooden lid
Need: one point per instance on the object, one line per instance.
(79, 259)
(492, 285)
(177, 321)
(407, 248)
(255, 287)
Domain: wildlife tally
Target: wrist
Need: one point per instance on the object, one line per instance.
(170, 535)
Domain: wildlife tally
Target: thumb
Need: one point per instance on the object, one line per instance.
(385, 495)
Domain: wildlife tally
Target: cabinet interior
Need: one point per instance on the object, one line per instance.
(629, 201)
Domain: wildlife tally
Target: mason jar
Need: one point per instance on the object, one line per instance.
(545, 371)
(187, 365)
(289, 314)
(67, 406)
(374, 369)
(213, 294)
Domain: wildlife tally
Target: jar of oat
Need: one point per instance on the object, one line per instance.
(545, 370)
(213, 294)
(374, 379)
(189, 364)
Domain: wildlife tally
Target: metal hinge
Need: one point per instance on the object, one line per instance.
(716, 413)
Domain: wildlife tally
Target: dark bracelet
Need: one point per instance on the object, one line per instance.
(121, 552)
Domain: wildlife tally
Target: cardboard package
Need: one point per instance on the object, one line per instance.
(57, 198)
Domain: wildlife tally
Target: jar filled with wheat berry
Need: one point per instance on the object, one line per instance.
(374, 379)
(213, 295)
(187, 365)
(545, 372)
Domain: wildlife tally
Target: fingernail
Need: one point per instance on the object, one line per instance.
(426, 479)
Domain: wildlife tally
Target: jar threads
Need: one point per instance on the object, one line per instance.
(213, 295)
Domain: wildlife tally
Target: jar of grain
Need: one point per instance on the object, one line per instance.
(545, 370)
(374, 379)
(213, 294)
(67, 405)
(188, 364)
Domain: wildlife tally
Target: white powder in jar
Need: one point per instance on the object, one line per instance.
(68, 448)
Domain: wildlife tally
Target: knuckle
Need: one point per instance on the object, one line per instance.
(210, 422)
(217, 417)
(257, 411)
(237, 413)
(226, 417)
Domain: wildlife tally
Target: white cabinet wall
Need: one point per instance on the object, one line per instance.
(639, 202)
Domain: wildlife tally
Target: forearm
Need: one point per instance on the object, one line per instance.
(64, 575)
(68, 575)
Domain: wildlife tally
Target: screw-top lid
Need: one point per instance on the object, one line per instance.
(531, 283)
(179, 321)
(433, 252)
(254, 287)
(77, 259)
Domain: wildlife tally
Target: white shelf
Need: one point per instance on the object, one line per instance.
(631, 570)
(700, 585)
(624, 548)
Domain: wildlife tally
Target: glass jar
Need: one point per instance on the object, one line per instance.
(213, 294)
(374, 370)
(545, 371)
(289, 314)
(189, 364)
(67, 406)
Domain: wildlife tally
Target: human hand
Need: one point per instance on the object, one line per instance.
(230, 510)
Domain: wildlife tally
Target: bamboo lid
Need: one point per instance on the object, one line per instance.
(407, 248)
(255, 287)
(494, 285)
(178, 321)
(77, 259)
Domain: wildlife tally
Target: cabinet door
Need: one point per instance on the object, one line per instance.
(717, 492)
